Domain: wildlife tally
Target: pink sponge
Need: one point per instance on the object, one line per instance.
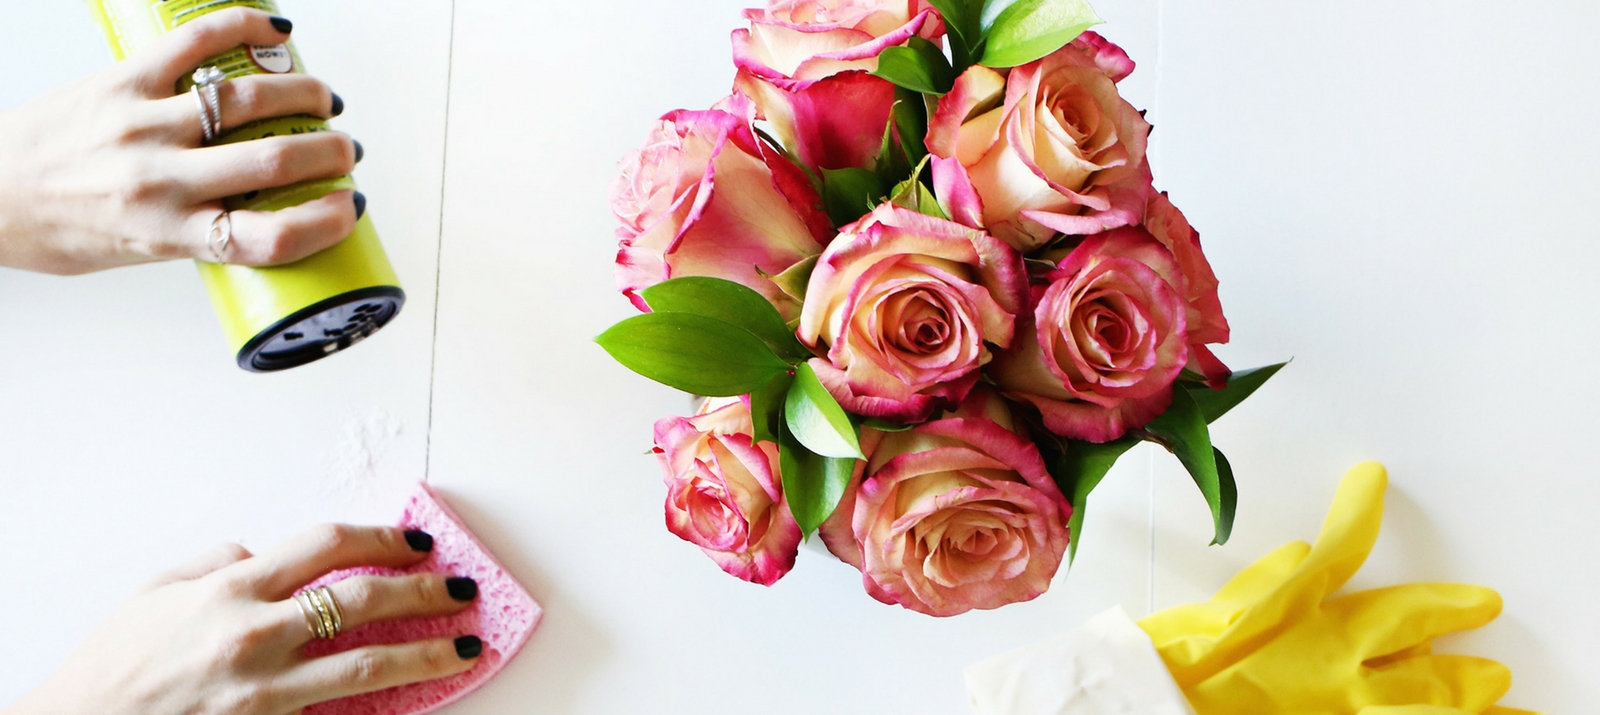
(504, 615)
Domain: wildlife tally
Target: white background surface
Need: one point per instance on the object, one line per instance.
(1396, 195)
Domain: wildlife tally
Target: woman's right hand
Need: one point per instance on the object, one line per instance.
(223, 635)
(110, 171)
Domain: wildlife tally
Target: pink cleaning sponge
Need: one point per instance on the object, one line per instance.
(504, 615)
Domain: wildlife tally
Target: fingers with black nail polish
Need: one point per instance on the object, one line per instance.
(282, 24)
(338, 106)
(461, 588)
(469, 647)
(417, 539)
(361, 151)
(361, 210)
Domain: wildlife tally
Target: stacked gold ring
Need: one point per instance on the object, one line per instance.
(321, 612)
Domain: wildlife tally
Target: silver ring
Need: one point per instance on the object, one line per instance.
(220, 237)
(206, 81)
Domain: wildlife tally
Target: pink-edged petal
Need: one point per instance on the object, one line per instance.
(1207, 364)
(1093, 423)
(977, 87)
(957, 196)
(1106, 55)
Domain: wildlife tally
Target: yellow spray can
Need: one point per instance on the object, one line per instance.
(284, 316)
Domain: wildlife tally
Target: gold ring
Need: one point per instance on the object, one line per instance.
(321, 612)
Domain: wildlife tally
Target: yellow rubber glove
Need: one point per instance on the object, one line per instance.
(1273, 641)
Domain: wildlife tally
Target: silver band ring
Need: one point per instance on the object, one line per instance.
(206, 81)
(321, 612)
(220, 237)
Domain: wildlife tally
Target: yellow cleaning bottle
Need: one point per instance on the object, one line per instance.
(284, 316)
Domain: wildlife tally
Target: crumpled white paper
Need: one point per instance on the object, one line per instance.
(1106, 667)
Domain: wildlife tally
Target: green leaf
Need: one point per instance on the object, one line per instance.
(850, 194)
(766, 408)
(1182, 430)
(892, 164)
(1030, 29)
(1216, 403)
(794, 279)
(1078, 469)
(728, 302)
(693, 353)
(1230, 492)
(915, 195)
(911, 122)
(919, 66)
(961, 18)
(817, 420)
(991, 11)
(812, 484)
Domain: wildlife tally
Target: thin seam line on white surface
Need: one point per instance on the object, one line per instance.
(1155, 108)
(438, 258)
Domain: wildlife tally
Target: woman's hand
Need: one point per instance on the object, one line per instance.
(110, 171)
(223, 636)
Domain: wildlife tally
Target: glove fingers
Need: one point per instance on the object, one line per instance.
(1389, 620)
(1244, 590)
(1351, 527)
(1497, 710)
(1471, 684)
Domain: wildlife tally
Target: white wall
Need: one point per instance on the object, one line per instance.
(1396, 195)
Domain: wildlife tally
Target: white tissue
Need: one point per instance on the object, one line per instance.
(1106, 667)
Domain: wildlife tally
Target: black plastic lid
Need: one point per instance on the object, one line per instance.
(322, 329)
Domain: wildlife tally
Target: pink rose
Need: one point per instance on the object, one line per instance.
(813, 39)
(1206, 324)
(1108, 339)
(723, 491)
(1051, 148)
(906, 306)
(805, 65)
(704, 198)
(954, 514)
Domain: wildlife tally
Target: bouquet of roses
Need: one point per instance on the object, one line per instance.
(917, 266)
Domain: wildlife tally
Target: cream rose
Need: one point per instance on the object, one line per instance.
(724, 494)
(704, 198)
(906, 306)
(954, 515)
(1049, 148)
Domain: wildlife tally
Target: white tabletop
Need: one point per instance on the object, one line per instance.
(1397, 196)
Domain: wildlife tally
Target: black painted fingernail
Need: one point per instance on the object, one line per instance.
(361, 210)
(461, 588)
(417, 540)
(282, 24)
(469, 647)
(338, 106)
(361, 151)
